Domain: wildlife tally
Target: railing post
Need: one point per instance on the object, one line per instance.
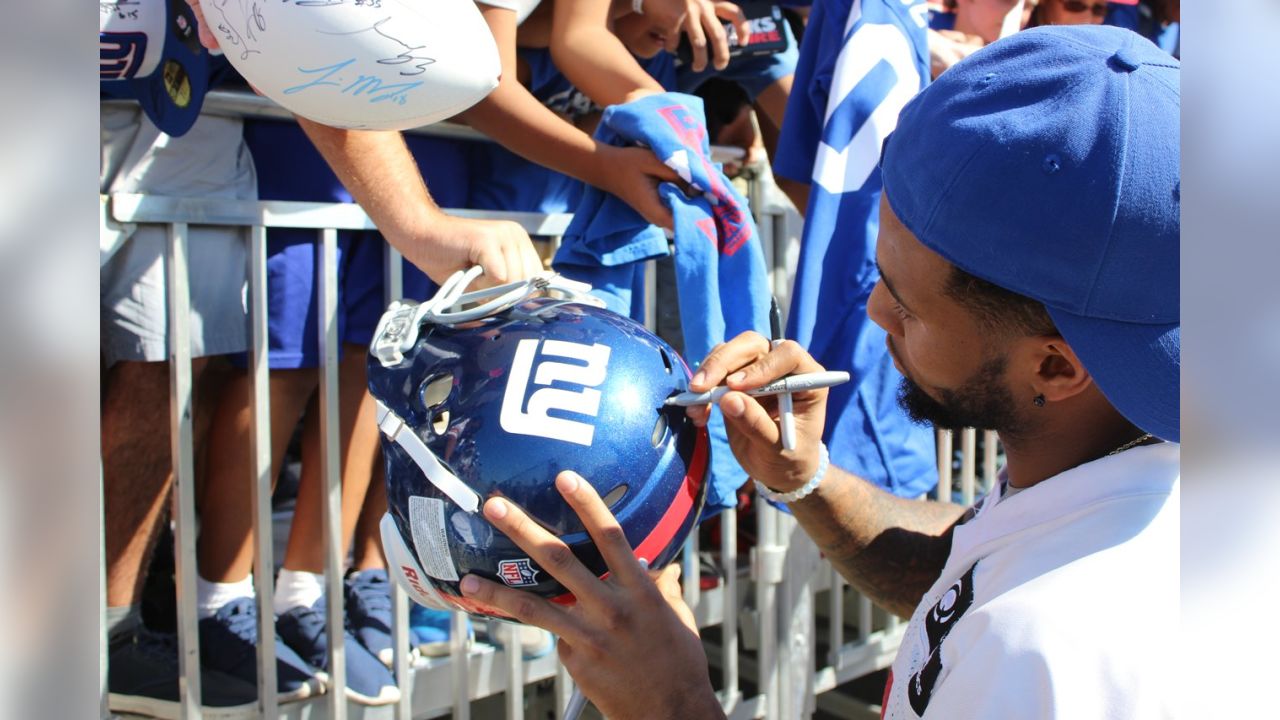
(330, 469)
(260, 479)
(563, 691)
(767, 567)
(184, 534)
(968, 458)
(460, 663)
(691, 570)
(796, 620)
(393, 289)
(946, 452)
(729, 603)
(103, 710)
(990, 441)
(515, 688)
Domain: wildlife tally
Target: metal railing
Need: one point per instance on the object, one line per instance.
(765, 612)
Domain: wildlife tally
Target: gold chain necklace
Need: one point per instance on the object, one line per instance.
(1131, 444)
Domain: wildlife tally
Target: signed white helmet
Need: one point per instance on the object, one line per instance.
(360, 64)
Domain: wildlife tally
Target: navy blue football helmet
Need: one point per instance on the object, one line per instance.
(494, 393)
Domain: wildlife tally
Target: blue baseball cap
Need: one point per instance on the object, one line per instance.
(149, 50)
(1048, 164)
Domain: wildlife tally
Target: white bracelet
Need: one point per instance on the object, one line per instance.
(804, 490)
(637, 7)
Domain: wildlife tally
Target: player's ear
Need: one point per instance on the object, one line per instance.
(1057, 371)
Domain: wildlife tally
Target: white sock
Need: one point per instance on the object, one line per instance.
(210, 596)
(297, 588)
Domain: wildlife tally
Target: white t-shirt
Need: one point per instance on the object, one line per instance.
(522, 8)
(1060, 601)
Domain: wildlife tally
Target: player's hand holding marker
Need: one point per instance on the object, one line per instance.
(749, 362)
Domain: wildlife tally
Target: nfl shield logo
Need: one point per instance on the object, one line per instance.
(517, 573)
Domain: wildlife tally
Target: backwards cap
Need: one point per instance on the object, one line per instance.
(1048, 163)
(151, 51)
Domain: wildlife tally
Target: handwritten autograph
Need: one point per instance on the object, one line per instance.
(369, 86)
(331, 3)
(122, 9)
(418, 62)
(254, 24)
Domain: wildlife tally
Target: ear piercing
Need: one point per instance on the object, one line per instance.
(1038, 400)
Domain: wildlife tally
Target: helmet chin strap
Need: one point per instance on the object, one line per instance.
(394, 427)
(398, 329)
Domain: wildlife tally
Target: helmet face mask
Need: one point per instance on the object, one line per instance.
(504, 403)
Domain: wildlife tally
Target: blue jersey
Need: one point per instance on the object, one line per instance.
(860, 62)
(942, 20)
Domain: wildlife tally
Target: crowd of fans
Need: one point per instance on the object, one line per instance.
(563, 61)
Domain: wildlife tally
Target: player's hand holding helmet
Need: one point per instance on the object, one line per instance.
(494, 393)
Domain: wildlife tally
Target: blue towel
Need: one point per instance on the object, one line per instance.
(720, 271)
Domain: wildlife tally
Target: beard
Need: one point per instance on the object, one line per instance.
(981, 402)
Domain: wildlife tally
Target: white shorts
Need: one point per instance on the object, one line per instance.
(210, 161)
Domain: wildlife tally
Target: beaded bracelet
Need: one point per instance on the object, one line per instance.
(804, 490)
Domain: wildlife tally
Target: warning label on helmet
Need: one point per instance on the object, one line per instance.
(426, 518)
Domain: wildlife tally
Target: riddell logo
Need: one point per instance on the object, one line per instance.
(414, 581)
(536, 419)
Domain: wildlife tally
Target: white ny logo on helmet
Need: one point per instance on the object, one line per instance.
(536, 420)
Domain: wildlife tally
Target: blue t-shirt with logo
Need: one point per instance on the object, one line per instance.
(854, 75)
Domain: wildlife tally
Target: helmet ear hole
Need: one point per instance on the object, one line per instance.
(660, 430)
(440, 422)
(436, 390)
(666, 359)
(615, 496)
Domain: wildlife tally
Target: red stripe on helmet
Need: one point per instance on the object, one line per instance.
(660, 537)
(677, 512)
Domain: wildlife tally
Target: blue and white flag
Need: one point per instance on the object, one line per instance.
(860, 62)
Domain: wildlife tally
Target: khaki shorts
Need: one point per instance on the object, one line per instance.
(210, 161)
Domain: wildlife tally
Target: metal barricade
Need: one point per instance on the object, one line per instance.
(762, 616)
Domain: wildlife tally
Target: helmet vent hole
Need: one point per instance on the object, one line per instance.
(436, 390)
(660, 430)
(615, 496)
(440, 422)
(666, 360)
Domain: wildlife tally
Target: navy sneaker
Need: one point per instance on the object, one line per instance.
(142, 679)
(369, 682)
(369, 613)
(229, 644)
(430, 629)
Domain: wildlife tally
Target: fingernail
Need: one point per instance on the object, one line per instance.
(469, 584)
(567, 482)
(699, 378)
(736, 377)
(732, 406)
(496, 508)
